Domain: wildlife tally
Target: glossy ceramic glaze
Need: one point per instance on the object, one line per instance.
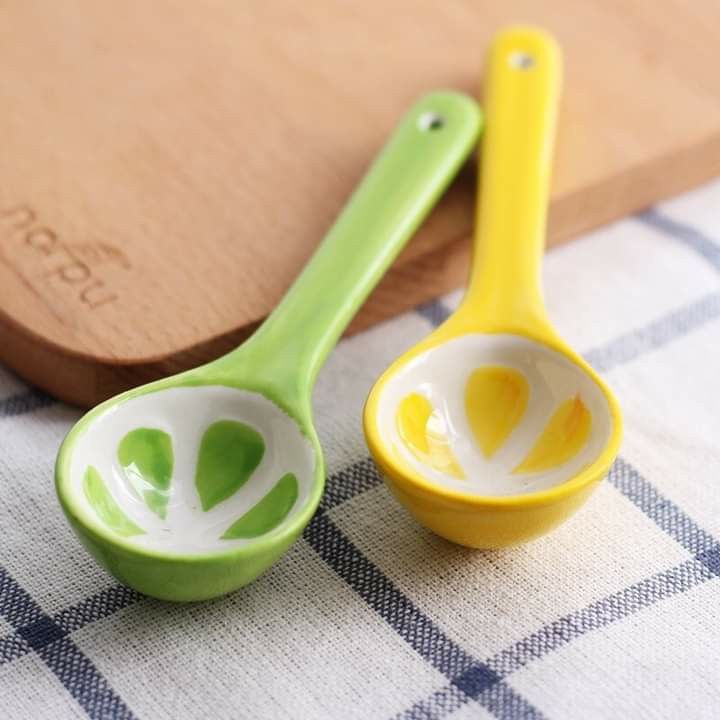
(190, 487)
(493, 430)
(443, 375)
(223, 454)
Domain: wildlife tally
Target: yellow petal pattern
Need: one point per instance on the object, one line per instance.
(562, 439)
(495, 402)
(423, 431)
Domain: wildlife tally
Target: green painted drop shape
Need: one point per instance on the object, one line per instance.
(229, 453)
(146, 455)
(105, 506)
(268, 513)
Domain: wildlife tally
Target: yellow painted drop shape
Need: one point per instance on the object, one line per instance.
(562, 439)
(423, 431)
(495, 402)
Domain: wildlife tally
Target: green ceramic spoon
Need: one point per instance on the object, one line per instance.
(190, 487)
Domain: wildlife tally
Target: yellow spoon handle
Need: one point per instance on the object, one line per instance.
(522, 87)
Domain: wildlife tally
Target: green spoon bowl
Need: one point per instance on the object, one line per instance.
(190, 553)
(190, 487)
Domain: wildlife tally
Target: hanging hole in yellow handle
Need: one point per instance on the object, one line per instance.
(522, 60)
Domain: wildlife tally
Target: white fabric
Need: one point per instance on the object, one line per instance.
(370, 615)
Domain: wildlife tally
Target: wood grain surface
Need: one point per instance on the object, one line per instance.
(166, 168)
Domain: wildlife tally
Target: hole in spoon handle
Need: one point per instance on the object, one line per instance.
(418, 162)
(521, 93)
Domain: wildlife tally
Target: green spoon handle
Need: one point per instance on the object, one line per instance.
(420, 159)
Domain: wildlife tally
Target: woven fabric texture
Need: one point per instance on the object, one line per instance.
(369, 615)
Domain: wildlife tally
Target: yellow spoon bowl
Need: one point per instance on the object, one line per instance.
(492, 430)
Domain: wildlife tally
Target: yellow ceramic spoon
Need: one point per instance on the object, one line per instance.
(493, 430)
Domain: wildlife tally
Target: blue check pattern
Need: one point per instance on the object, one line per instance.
(465, 679)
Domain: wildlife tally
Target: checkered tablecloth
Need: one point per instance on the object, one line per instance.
(614, 615)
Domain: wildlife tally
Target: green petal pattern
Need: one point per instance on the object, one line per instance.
(229, 453)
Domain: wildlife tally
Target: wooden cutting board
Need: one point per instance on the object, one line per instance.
(166, 168)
